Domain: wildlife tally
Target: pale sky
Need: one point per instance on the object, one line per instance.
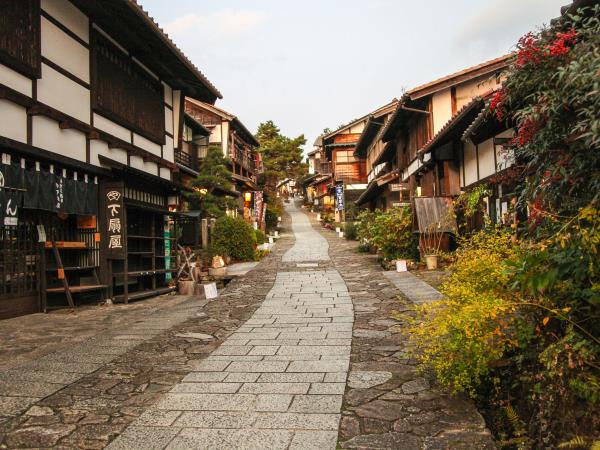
(312, 64)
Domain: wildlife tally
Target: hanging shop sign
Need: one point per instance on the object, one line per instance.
(115, 220)
(339, 197)
(258, 206)
(398, 187)
(51, 192)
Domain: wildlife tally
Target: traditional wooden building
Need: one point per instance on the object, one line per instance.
(348, 171)
(382, 163)
(91, 118)
(424, 136)
(236, 141)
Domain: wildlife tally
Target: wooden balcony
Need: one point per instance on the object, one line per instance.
(186, 159)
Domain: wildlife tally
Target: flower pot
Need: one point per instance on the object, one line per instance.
(431, 261)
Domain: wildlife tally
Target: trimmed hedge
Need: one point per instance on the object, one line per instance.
(233, 237)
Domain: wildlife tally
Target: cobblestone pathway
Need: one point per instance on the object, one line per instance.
(388, 404)
(278, 381)
(263, 367)
(416, 290)
(310, 245)
(140, 352)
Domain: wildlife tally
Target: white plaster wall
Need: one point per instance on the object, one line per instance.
(67, 14)
(15, 80)
(151, 168)
(47, 135)
(487, 165)
(503, 158)
(356, 129)
(136, 162)
(470, 163)
(13, 124)
(168, 120)
(98, 147)
(142, 142)
(168, 94)
(441, 105)
(65, 51)
(215, 135)
(168, 151)
(225, 137)
(466, 91)
(165, 173)
(58, 91)
(104, 124)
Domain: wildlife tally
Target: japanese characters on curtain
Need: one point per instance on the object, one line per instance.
(52, 192)
(11, 194)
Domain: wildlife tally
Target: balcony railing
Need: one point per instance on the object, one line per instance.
(324, 168)
(185, 159)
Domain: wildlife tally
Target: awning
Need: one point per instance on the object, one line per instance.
(373, 190)
(153, 179)
(387, 154)
(367, 137)
(399, 117)
(244, 180)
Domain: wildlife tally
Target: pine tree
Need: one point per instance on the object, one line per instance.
(210, 187)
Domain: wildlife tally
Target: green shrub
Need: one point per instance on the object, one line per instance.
(233, 237)
(350, 231)
(327, 218)
(259, 236)
(464, 335)
(388, 232)
(271, 219)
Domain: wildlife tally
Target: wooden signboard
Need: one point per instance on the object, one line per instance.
(86, 222)
(398, 187)
(114, 212)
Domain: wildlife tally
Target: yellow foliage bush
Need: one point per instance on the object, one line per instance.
(464, 335)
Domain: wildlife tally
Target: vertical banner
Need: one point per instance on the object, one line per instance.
(258, 206)
(115, 220)
(339, 196)
(167, 249)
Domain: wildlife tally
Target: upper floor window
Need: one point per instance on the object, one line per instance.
(345, 156)
(124, 92)
(20, 46)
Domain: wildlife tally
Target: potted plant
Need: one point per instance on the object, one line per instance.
(430, 244)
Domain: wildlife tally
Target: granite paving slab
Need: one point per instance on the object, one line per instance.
(278, 380)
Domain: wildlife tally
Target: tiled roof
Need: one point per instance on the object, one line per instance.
(475, 103)
(492, 65)
(176, 50)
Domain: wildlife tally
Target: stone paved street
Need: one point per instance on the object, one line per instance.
(303, 352)
(388, 404)
(278, 381)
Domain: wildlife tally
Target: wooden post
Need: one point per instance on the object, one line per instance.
(204, 232)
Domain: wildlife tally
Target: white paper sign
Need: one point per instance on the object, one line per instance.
(270, 239)
(401, 266)
(341, 234)
(337, 230)
(210, 291)
(41, 233)
(276, 233)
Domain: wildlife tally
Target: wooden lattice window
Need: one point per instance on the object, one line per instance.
(124, 92)
(20, 46)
